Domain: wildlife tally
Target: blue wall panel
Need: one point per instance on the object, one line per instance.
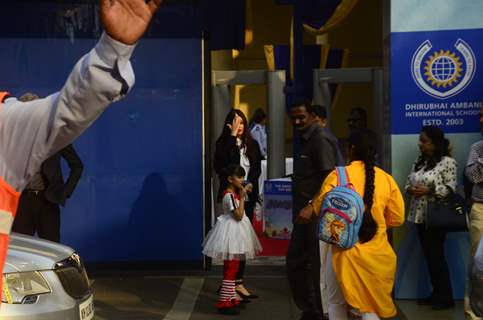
(140, 197)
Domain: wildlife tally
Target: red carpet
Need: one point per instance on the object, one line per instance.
(273, 247)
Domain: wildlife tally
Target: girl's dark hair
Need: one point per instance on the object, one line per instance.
(233, 170)
(364, 146)
(441, 148)
(258, 116)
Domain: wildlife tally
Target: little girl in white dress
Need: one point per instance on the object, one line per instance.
(232, 238)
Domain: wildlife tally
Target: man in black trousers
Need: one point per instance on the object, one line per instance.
(315, 159)
(38, 209)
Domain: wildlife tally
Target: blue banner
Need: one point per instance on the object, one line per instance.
(434, 80)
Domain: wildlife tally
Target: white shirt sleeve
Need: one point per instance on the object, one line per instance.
(31, 131)
(229, 203)
(260, 135)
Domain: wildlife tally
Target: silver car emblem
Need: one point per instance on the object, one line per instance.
(77, 260)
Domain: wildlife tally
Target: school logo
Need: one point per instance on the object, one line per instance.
(443, 73)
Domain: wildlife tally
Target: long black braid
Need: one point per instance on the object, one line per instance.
(364, 149)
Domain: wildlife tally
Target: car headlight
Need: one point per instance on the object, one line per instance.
(23, 287)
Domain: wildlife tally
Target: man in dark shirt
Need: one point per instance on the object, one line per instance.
(38, 209)
(315, 159)
(321, 118)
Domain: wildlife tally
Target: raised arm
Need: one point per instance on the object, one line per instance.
(30, 132)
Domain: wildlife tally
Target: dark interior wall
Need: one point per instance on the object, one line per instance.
(362, 34)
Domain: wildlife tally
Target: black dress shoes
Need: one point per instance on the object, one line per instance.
(246, 297)
(442, 305)
(425, 301)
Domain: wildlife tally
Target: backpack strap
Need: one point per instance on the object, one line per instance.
(342, 177)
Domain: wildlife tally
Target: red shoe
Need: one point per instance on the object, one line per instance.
(227, 307)
(239, 303)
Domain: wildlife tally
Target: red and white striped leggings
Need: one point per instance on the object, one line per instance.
(230, 269)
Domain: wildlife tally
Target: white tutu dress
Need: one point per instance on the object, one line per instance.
(231, 239)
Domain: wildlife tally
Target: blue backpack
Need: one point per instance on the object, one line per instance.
(341, 213)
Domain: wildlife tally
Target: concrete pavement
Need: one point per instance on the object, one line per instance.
(192, 296)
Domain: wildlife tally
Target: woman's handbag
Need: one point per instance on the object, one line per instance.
(449, 213)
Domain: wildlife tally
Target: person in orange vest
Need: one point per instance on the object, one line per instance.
(32, 131)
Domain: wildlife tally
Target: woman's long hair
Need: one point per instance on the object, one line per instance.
(229, 121)
(246, 138)
(441, 148)
(363, 144)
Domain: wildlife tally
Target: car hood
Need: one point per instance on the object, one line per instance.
(27, 253)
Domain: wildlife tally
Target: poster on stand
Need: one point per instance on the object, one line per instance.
(277, 208)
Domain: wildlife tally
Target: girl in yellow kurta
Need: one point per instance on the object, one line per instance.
(365, 273)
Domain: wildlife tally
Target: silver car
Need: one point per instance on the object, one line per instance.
(44, 280)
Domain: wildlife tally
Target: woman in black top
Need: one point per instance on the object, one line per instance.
(235, 146)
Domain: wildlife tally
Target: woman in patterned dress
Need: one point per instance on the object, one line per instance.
(432, 175)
